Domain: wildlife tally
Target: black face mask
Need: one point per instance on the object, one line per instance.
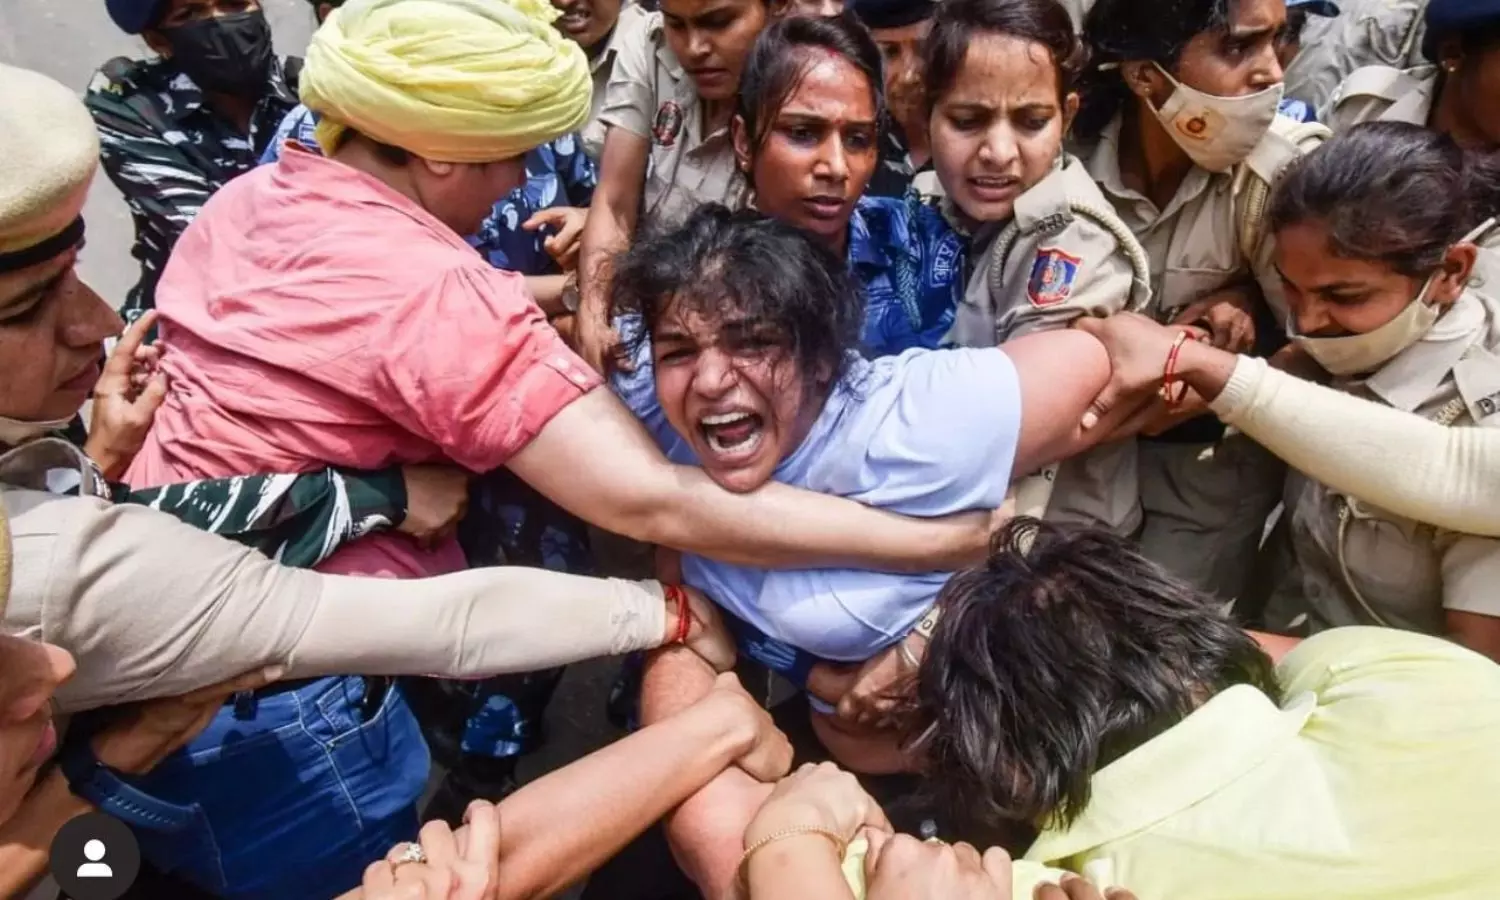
(227, 54)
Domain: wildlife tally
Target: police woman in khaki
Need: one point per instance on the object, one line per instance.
(1458, 95)
(1379, 238)
(1047, 247)
(1179, 128)
(666, 146)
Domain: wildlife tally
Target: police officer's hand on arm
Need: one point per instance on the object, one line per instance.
(437, 498)
(1139, 353)
(564, 825)
(1228, 316)
(794, 846)
(444, 865)
(901, 867)
(147, 733)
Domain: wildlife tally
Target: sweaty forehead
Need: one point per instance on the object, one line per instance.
(1001, 72)
(829, 86)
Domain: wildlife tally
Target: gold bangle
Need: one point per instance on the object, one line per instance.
(797, 831)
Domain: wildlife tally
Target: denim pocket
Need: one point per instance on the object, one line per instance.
(381, 763)
(302, 793)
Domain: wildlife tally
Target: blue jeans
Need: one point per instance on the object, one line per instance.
(291, 796)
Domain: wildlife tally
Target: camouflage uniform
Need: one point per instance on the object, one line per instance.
(168, 152)
(298, 520)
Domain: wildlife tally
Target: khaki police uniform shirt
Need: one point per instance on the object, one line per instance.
(629, 29)
(1365, 33)
(1205, 506)
(1383, 94)
(1194, 242)
(1401, 573)
(151, 607)
(1055, 261)
(650, 95)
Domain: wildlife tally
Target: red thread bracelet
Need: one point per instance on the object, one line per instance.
(1170, 384)
(679, 599)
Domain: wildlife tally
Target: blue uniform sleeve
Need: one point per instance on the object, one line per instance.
(298, 125)
(910, 264)
(578, 173)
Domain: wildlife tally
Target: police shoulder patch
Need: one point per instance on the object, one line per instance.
(1052, 277)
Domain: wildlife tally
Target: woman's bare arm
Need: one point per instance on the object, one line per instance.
(596, 461)
(1060, 373)
(611, 224)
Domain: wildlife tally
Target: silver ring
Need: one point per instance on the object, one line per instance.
(410, 853)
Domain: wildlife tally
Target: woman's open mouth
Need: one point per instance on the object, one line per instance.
(734, 435)
(824, 206)
(994, 188)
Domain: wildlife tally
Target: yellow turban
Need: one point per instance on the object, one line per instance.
(462, 81)
(49, 150)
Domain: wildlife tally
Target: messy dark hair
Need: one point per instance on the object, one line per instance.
(1063, 652)
(1118, 31)
(782, 56)
(958, 22)
(1390, 192)
(745, 267)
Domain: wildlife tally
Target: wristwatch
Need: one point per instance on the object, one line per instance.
(570, 298)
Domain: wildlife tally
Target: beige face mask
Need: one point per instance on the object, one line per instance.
(1215, 132)
(15, 431)
(1355, 354)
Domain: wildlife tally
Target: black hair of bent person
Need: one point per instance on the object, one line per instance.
(784, 53)
(1390, 192)
(1061, 653)
(1118, 31)
(748, 266)
(957, 22)
(1473, 40)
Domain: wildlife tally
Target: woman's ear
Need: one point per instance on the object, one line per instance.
(739, 137)
(1458, 265)
(1069, 111)
(1450, 55)
(438, 169)
(1145, 81)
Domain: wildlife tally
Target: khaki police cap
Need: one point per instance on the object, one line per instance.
(48, 153)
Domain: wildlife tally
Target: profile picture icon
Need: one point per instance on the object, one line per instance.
(95, 857)
(96, 867)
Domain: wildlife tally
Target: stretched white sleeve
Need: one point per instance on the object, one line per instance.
(1448, 477)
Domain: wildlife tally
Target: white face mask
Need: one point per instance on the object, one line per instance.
(1355, 354)
(1215, 132)
(15, 431)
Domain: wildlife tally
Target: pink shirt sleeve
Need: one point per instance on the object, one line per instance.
(470, 363)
